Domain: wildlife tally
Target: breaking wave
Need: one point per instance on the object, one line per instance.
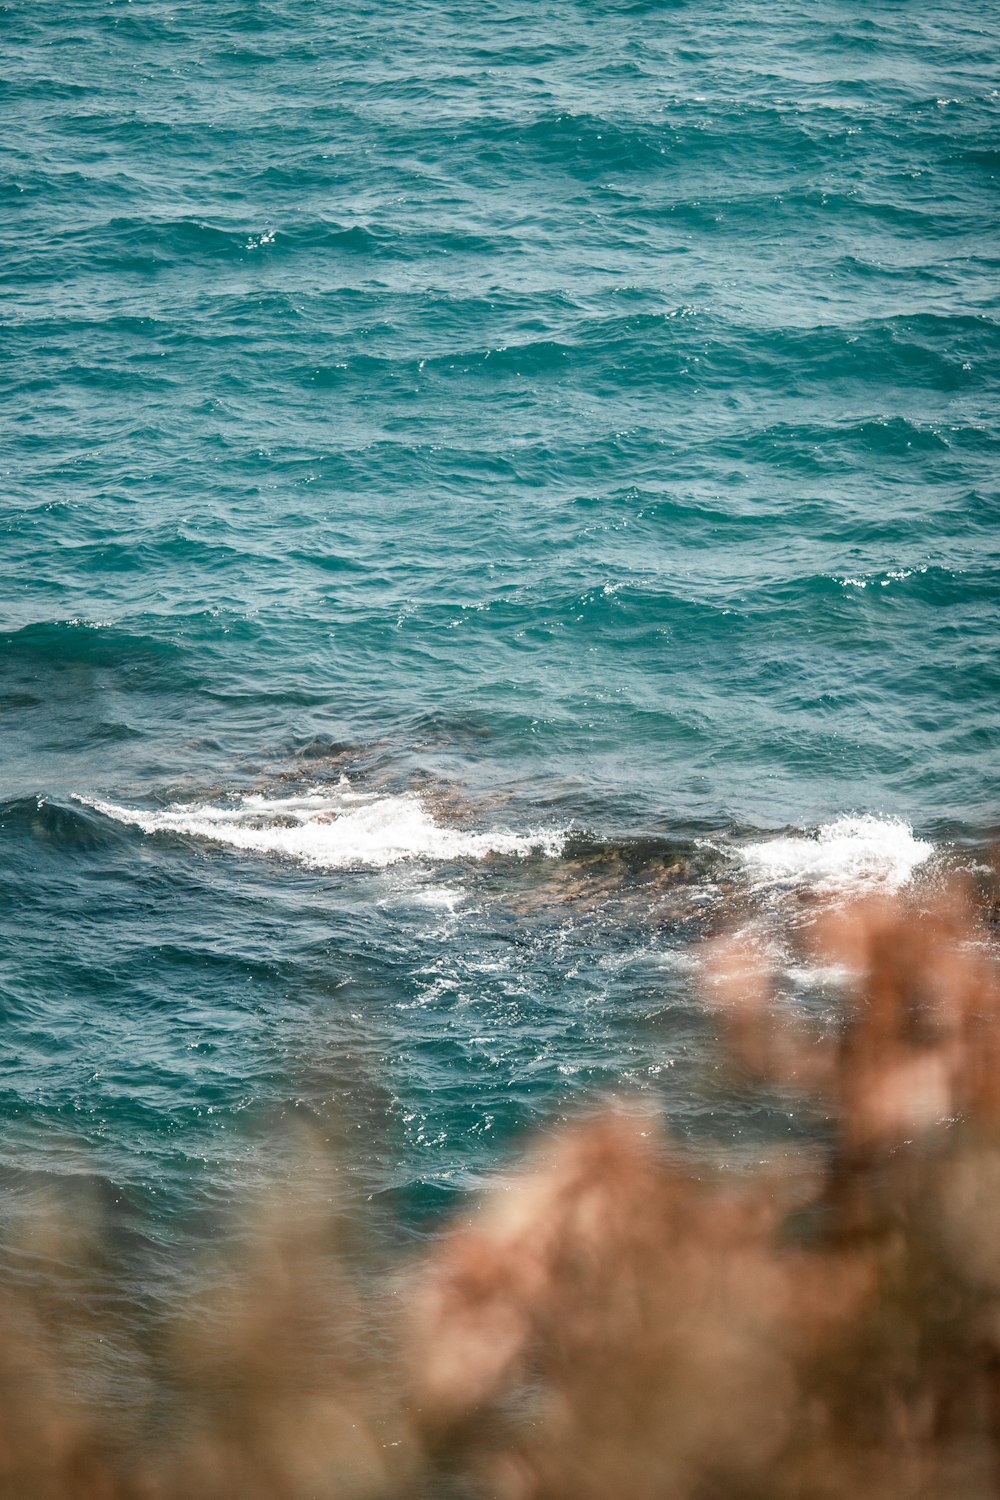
(332, 828)
(848, 854)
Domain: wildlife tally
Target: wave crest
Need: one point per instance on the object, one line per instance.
(332, 828)
(851, 852)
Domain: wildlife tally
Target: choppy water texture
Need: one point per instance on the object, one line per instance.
(491, 492)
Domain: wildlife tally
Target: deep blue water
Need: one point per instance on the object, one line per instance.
(547, 456)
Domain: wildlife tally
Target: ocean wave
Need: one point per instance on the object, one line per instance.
(332, 828)
(83, 642)
(45, 820)
(882, 579)
(930, 583)
(851, 854)
(154, 241)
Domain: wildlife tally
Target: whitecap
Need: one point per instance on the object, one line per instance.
(331, 828)
(851, 852)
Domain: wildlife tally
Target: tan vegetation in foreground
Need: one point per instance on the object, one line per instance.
(620, 1319)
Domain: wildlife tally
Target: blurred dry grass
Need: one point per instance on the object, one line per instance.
(619, 1318)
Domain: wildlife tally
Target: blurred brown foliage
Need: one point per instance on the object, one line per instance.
(620, 1318)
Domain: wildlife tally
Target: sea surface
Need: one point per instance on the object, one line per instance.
(492, 495)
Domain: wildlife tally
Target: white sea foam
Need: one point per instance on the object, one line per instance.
(855, 852)
(331, 828)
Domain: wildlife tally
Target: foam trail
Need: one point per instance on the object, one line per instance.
(849, 853)
(331, 828)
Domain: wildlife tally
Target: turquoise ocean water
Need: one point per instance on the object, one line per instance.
(491, 492)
